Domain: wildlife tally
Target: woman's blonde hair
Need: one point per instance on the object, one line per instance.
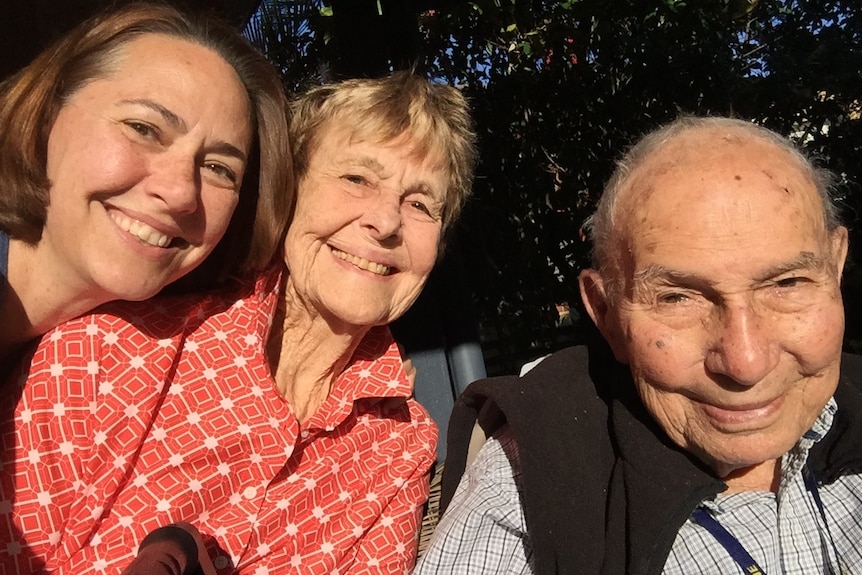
(435, 116)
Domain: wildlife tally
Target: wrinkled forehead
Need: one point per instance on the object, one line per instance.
(698, 174)
(422, 150)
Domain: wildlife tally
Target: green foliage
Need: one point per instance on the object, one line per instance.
(295, 36)
(559, 89)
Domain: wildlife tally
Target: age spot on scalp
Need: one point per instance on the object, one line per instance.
(737, 177)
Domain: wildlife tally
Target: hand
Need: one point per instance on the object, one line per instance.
(409, 368)
(172, 550)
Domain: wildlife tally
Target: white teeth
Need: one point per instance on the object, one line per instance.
(140, 230)
(362, 263)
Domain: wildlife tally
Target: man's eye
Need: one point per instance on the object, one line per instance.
(672, 298)
(790, 282)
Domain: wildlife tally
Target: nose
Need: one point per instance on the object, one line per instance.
(744, 347)
(382, 218)
(173, 179)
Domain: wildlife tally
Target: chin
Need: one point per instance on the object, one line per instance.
(725, 463)
(132, 291)
(358, 319)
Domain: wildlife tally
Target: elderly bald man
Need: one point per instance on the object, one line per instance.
(717, 428)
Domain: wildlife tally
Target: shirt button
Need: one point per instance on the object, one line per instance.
(221, 562)
(304, 434)
(249, 492)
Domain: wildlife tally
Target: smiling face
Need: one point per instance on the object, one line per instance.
(729, 312)
(366, 229)
(145, 167)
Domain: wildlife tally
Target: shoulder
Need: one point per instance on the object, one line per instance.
(492, 483)
(557, 396)
(420, 430)
(484, 530)
(572, 377)
(393, 425)
(238, 307)
(500, 459)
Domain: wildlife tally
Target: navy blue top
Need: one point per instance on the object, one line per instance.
(4, 260)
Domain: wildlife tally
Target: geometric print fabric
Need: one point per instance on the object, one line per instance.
(150, 413)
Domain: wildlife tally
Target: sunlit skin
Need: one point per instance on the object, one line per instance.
(729, 311)
(363, 241)
(366, 230)
(145, 167)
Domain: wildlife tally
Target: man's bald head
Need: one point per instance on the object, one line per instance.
(686, 140)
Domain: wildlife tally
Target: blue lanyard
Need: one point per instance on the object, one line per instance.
(732, 545)
(728, 541)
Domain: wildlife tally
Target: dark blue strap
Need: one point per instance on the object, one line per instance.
(728, 541)
(4, 261)
(811, 486)
(4, 255)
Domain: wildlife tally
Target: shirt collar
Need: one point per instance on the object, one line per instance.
(822, 424)
(376, 369)
(794, 460)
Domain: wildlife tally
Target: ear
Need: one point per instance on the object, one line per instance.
(839, 242)
(598, 305)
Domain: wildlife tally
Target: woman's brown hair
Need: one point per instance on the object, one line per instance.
(31, 99)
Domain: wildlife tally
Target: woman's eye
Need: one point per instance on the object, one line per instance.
(221, 171)
(143, 129)
(354, 179)
(419, 206)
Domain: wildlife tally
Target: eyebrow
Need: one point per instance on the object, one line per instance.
(219, 146)
(643, 279)
(228, 149)
(424, 189)
(363, 161)
(169, 117)
(805, 260)
(376, 167)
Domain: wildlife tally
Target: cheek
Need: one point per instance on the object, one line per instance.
(219, 209)
(662, 356)
(302, 253)
(320, 213)
(816, 337)
(423, 248)
(59, 139)
(425, 263)
(671, 410)
(73, 140)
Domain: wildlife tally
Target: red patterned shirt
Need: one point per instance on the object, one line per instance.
(150, 413)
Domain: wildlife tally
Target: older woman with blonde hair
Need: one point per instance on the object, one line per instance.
(275, 417)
